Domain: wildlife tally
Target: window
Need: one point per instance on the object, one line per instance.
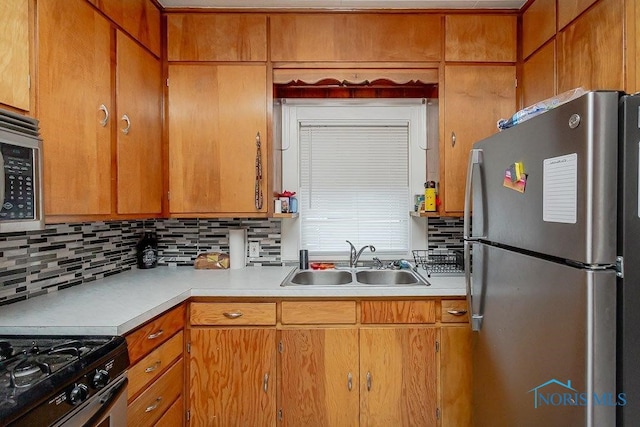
(355, 166)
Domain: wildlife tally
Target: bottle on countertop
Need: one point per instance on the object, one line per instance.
(430, 196)
(147, 250)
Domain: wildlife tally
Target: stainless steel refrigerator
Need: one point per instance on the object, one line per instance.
(553, 267)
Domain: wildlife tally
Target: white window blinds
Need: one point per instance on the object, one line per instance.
(354, 185)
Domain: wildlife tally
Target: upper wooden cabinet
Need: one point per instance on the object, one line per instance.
(216, 37)
(74, 98)
(568, 10)
(538, 25)
(139, 114)
(538, 75)
(15, 48)
(480, 38)
(215, 112)
(80, 118)
(139, 18)
(475, 98)
(591, 49)
(356, 37)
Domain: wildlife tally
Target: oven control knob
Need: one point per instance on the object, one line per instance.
(78, 394)
(100, 379)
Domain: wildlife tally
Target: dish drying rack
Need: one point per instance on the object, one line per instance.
(440, 261)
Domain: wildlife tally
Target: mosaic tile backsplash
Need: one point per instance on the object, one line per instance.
(64, 255)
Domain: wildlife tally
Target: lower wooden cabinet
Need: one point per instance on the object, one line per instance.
(357, 375)
(232, 368)
(329, 363)
(398, 377)
(156, 376)
(320, 377)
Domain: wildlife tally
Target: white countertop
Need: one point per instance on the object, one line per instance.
(117, 304)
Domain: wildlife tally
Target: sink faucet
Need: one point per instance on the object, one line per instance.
(354, 255)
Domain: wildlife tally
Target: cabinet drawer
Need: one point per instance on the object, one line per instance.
(233, 313)
(398, 312)
(454, 311)
(173, 417)
(304, 313)
(149, 407)
(152, 365)
(154, 333)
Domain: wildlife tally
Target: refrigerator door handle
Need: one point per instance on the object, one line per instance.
(476, 319)
(475, 158)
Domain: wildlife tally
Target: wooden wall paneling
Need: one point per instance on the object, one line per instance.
(483, 38)
(538, 75)
(591, 50)
(216, 37)
(139, 18)
(16, 51)
(356, 37)
(568, 10)
(538, 25)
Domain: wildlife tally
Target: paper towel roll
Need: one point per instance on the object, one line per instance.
(237, 247)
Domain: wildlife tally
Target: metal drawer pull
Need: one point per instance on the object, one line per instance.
(232, 315)
(369, 381)
(155, 335)
(155, 405)
(265, 383)
(125, 129)
(457, 312)
(349, 381)
(104, 109)
(153, 367)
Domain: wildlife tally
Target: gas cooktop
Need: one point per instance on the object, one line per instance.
(58, 372)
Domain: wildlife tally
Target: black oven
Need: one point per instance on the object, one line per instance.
(21, 201)
(63, 381)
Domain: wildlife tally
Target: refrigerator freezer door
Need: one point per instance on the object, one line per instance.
(565, 201)
(544, 353)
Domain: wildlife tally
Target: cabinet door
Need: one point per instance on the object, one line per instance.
(139, 112)
(475, 98)
(14, 45)
(215, 112)
(139, 18)
(233, 377)
(74, 81)
(456, 376)
(319, 377)
(497, 42)
(398, 377)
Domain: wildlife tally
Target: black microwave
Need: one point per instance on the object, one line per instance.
(20, 181)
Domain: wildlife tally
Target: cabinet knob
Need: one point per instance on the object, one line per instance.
(126, 129)
(154, 405)
(265, 383)
(453, 139)
(369, 381)
(349, 381)
(105, 119)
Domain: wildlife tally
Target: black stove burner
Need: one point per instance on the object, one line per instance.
(35, 370)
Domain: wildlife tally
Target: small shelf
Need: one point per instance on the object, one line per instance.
(286, 215)
(423, 214)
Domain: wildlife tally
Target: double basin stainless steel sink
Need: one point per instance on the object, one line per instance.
(354, 277)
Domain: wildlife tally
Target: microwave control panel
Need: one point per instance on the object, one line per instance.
(19, 195)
